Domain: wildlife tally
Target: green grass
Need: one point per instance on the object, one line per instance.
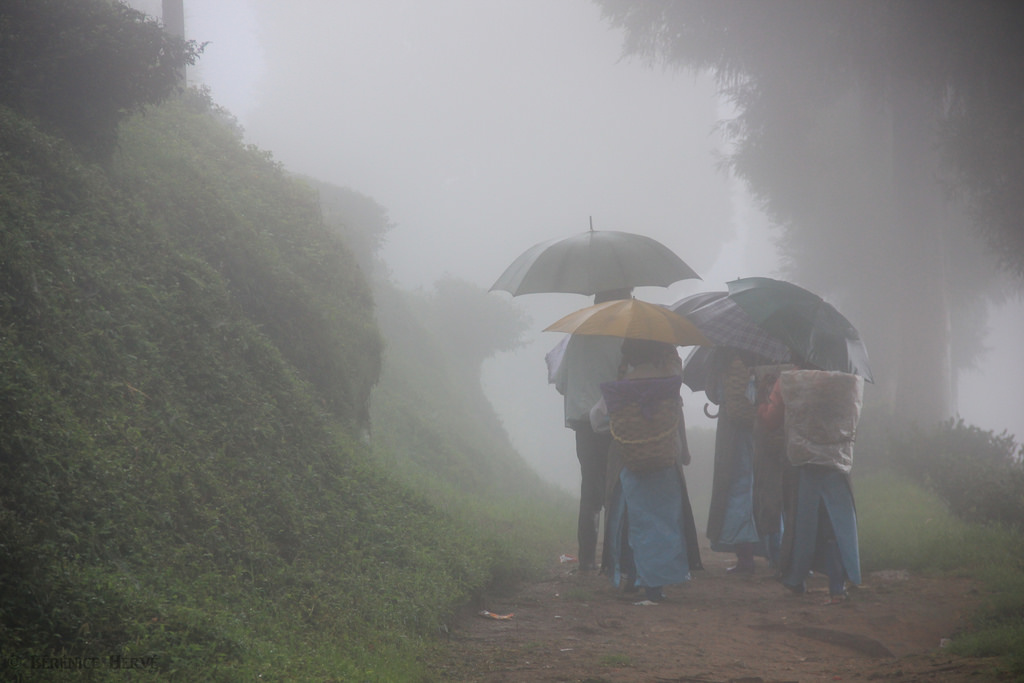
(903, 526)
(615, 661)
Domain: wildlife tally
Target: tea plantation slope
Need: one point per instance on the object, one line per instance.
(435, 429)
(185, 355)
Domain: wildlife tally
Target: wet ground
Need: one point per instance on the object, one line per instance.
(574, 626)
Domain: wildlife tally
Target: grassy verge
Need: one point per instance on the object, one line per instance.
(904, 526)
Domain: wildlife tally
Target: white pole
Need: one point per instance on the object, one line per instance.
(173, 12)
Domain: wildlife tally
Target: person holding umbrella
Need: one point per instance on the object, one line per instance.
(650, 536)
(607, 264)
(745, 511)
(732, 526)
(587, 362)
(821, 412)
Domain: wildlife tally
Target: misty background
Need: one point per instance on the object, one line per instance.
(484, 127)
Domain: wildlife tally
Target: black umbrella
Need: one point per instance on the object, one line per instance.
(810, 326)
(592, 262)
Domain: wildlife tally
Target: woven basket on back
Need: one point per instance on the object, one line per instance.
(648, 443)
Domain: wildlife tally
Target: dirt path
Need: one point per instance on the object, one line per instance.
(575, 627)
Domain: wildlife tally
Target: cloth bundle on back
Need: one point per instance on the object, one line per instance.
(821, 518)
(822, 411)
(644, 418)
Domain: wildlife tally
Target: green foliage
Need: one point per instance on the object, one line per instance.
(233, 207)
(979, 474)
(615, 661)
(901, 524)
(186, 355)
(187, 352)
(995, 641)
(434, 428)
(951, 500)
(82, 66)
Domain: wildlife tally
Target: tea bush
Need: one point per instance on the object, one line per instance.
(978, 473)
(187, 352)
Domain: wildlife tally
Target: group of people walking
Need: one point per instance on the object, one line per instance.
(783, 452)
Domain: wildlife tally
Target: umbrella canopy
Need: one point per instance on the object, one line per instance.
(632, 319)
(807, 324)
(726, 324)
(592, 262)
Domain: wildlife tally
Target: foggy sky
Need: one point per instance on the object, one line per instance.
(486, 126)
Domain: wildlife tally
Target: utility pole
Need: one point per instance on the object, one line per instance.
(173, 12)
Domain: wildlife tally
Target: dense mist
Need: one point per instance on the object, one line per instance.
(486, 127)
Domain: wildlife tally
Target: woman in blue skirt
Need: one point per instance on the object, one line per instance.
(650, 535)
(821, 525)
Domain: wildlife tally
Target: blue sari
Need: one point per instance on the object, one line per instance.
(738, 524)
(649, 506)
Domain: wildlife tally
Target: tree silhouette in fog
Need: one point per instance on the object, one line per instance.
(857, 127)
(82, 66)
(472, 323)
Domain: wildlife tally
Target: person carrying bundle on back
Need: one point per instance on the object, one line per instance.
(650, 535)
(818, 411)
(732, 526)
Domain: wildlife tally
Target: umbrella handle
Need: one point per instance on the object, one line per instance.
(713, 417)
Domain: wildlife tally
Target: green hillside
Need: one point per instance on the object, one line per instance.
(187, 358)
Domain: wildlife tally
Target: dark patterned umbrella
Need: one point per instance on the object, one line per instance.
(727, 324)
(811, 327)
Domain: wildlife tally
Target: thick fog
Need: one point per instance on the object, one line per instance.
(484, 127)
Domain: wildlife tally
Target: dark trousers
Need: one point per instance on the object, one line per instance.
(592, 452)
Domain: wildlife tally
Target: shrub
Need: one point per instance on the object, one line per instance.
(978, 473)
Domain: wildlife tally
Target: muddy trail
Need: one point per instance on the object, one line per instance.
(574, 626)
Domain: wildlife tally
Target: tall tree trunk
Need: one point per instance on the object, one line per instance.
(924, 384)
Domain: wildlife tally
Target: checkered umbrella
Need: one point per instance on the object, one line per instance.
(726, 324)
